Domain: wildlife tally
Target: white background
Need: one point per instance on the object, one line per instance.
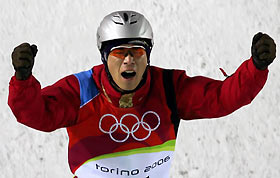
(198, 36)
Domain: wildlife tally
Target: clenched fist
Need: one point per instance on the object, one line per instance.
(23, 60)
(263, 50)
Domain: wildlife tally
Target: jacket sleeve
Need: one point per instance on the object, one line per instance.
(201, 97)
(45, 109)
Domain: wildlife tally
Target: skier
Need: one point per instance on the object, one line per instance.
(122, 116)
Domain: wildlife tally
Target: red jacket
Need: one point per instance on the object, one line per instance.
(102, 133)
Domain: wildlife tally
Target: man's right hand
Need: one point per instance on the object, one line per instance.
(23, 60)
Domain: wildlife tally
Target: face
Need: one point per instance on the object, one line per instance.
(127, 64)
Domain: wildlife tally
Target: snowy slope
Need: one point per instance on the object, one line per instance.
(198, 36)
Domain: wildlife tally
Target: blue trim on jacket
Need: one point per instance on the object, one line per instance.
(88, 89)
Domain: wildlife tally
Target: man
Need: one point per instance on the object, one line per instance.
(122, 116)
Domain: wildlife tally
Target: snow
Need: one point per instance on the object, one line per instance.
(195, 35)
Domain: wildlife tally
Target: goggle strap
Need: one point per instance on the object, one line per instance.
(128, 47)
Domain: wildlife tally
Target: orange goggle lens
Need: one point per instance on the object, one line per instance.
(122, 51)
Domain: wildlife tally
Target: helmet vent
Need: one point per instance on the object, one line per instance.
(117, 20)
(119, 23)
(133, 22)
(125, 17)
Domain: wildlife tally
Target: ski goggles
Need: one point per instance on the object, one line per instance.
(122, 51)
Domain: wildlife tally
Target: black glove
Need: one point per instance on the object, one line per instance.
(23, 60)
(263, 50)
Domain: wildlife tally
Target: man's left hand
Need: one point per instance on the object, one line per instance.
(263, 50)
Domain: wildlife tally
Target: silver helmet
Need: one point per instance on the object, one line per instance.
(124, 24)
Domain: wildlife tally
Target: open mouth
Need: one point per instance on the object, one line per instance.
(128, 74)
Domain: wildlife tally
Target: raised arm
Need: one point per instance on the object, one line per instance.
(45, 109)
(202, 97)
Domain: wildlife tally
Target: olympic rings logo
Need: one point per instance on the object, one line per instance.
(125, 128)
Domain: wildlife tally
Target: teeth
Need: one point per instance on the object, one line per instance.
(130, 71)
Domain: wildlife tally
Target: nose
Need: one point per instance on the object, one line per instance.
(129, 59)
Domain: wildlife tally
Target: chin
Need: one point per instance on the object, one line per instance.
(128, 88)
